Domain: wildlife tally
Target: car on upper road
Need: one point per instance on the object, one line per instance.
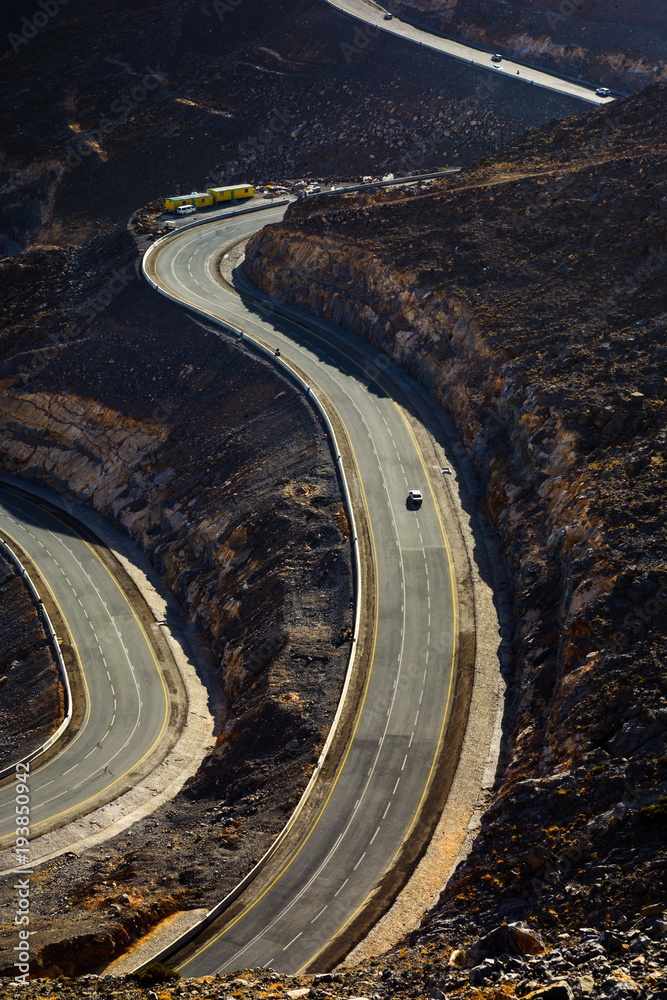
(496, 57)
(603, 92)
(415, 498)
(389, 17)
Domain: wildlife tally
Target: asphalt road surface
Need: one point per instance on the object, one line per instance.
(127, 707)
(374, 17)
(382, 782)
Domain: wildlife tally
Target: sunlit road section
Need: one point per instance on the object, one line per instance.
(371, 15)
(380, 786)
(126, 705)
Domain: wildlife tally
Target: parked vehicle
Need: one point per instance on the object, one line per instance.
(197, 199)
(185, 210)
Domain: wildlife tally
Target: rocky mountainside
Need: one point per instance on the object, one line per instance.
(619, 45)
(528, 295)
(146, 100)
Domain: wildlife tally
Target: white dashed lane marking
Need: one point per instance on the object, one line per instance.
(340, 889)
(290, 943)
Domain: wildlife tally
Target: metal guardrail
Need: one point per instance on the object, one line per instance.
(412, 179)
(219, 219)
(23, 573)
(284, 366)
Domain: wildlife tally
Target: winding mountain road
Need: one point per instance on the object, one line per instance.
(373, 17)
(376, 797)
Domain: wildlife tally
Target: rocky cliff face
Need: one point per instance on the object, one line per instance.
(528, 296)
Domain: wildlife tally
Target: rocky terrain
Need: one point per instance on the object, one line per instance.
(528, 295)
(511, 960)
(146, 102)
(30, 685)
(619, 45)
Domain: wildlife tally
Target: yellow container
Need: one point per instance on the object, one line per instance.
(200, 199)
(232, 192)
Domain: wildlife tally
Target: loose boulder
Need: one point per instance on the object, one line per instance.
(554, 991)
(507, 939)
